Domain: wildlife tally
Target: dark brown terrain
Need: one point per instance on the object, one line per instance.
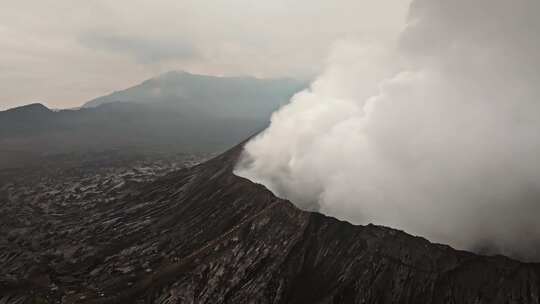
(204, 235)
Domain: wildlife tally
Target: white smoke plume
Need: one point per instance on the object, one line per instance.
(437, 134)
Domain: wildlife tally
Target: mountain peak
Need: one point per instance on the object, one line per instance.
(174, 73)
(236, 96)
(32, 109)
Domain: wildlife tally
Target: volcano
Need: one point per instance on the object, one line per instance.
(204, 235)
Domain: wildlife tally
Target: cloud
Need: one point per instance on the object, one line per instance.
(436, 135)
(67, 52)
(144, 50)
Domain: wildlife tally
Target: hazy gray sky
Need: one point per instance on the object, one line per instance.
(65, 52)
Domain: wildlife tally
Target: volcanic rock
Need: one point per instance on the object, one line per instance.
(204, 235)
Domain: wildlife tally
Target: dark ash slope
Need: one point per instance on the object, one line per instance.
(204, 235)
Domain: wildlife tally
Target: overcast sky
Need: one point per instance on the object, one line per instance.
(65, 52)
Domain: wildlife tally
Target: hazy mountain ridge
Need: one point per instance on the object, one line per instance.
(239, 97)
(118, 126)
(213, 115)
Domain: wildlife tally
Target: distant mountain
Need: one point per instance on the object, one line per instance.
(175, 112)
(32, 132)
(231, 97)
(26, 111)
(204, 235)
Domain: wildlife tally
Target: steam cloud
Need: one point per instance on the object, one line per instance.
(437, 134)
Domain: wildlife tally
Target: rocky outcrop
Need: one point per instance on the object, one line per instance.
(204, 235)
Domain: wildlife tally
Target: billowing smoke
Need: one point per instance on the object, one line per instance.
(437, 134)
